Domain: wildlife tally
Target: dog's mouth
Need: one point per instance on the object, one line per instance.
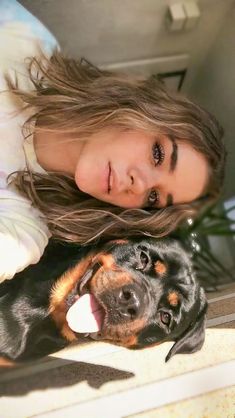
(85, 314)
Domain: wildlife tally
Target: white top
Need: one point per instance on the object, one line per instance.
(23, 233)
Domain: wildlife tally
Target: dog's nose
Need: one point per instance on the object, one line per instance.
(128, 302)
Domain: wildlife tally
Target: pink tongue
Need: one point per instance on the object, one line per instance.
(85, 315)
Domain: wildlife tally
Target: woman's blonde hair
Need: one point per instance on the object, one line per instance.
(77, 98)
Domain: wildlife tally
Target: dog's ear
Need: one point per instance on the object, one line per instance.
(191, 341)
(193, 338)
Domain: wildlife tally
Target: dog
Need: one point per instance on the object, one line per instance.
(143, 290)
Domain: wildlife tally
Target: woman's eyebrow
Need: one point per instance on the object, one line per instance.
(174, 156)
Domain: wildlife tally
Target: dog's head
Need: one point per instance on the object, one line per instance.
(139, 292)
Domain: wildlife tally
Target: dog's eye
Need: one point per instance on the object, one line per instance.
(143, 260)
(165, 318)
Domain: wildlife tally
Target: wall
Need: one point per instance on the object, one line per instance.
(109, 31)
(214, 87)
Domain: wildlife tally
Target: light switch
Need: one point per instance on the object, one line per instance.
(192, 14)
(176, 17)
(182, 15)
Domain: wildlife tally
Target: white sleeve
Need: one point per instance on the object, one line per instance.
(23, 234)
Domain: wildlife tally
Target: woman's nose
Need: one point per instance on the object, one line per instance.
(138, 182)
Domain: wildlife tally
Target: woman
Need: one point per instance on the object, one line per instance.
(107, 155)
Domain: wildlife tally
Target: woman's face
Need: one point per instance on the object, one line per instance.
(135, 169)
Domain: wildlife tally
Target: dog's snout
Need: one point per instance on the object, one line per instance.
(128, 302)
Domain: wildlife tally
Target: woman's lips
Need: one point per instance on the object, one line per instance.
(109, 179)
(105, 179)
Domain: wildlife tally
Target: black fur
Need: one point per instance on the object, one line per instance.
(28, 331)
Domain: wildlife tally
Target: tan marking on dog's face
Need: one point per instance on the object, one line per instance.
(67, 281)
(160, 267)
(108, 280)
(124, 334)
(105, 260)
(129, 342)
(119, 241)
(4, 362)
(173, 298)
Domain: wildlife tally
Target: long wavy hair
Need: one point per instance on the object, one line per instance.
(76, 98)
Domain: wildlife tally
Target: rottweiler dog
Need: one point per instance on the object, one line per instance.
(135, 293)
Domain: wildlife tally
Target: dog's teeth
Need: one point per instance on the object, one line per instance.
(86, 335)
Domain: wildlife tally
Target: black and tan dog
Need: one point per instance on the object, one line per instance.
(144, 290)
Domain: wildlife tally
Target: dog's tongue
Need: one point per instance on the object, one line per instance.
(85, 315)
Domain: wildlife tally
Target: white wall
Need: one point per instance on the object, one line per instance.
(109, 31)
(214, 87)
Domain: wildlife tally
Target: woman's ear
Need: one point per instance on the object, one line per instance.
(191, 341)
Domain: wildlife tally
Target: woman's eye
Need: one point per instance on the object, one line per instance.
(165, 318)
(158, 153)
(153, 197)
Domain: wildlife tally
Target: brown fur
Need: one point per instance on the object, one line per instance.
(4, 362)
(160, 268)
(173, 298)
